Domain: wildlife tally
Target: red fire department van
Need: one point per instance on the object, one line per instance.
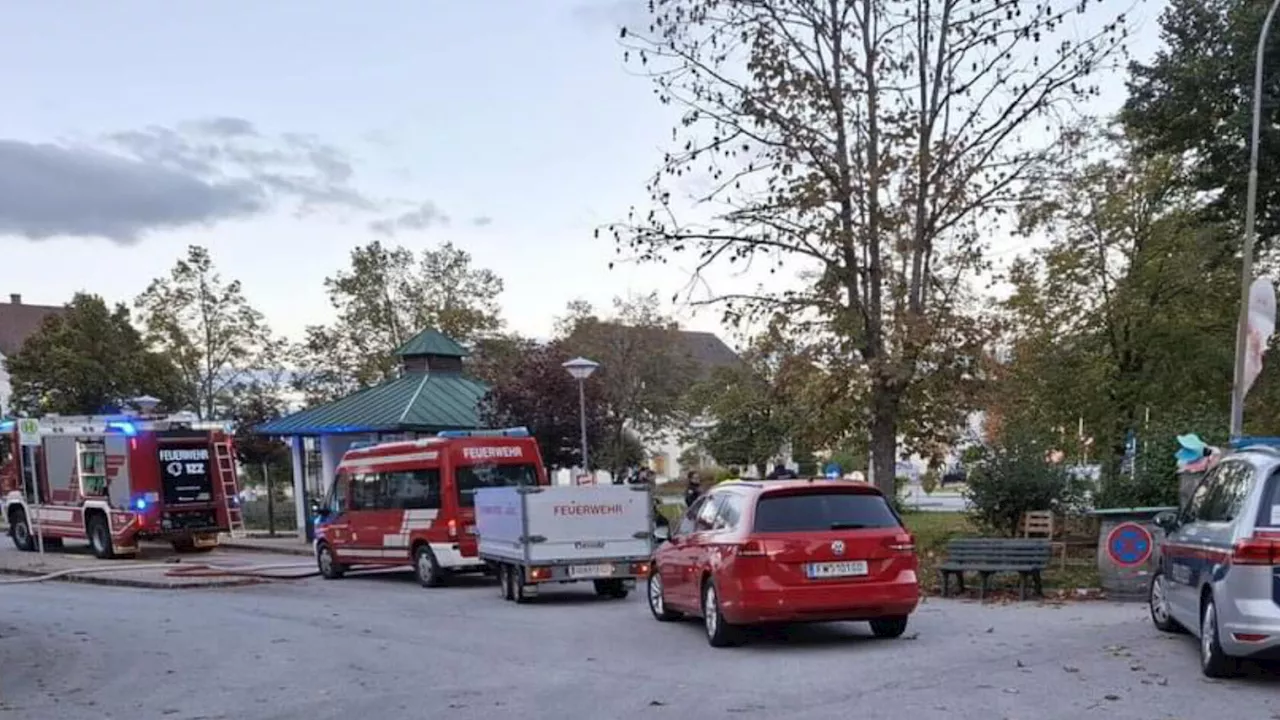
(115, 480)
(413, 502)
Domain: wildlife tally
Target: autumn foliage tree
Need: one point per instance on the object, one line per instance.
(867, 146)
(529, 387)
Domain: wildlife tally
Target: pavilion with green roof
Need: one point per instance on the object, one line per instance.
(431, 393)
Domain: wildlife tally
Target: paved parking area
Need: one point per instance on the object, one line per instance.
(382, 647)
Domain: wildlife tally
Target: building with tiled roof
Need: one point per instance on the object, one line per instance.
(17, 323)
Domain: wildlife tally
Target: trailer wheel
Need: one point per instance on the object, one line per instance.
(611, 589)
(517, 585)
(20, 530)
(506, 581)
(429, 572)
(100, 537)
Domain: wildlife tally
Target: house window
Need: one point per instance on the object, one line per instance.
(660, 463)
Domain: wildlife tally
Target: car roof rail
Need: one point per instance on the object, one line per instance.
(1271, 444)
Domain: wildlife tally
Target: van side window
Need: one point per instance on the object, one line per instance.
(413, 489)
(366, 491)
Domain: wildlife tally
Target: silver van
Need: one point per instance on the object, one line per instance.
(1218, 574)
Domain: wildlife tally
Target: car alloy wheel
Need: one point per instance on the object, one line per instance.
(711, 610)
(1158, 601)
(1214, 662)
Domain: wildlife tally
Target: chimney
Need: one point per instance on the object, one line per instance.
(15, 298)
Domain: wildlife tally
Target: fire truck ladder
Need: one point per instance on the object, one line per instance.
(230, 488)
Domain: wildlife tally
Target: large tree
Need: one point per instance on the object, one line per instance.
(1194, 99)
(386, 296)
(868, 146)
(208, 328)
(90, 359)
(644, 371)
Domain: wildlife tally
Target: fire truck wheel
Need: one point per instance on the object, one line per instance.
(331, 569)
(517, 585)
(100, 537)
(429, 572)
(21, 531)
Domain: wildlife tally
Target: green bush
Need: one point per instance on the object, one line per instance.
(929, 482)
(1015, 478)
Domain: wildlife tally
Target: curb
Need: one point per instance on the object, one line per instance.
(233, 545)
(126, 582)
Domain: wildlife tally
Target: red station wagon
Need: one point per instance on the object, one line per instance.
(787, 551)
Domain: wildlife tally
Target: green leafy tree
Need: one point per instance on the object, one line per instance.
(1194, 99)
(208, 328)
(1128, 312)
(386, 296)
(643, 375)
(870, 146)
(90, 359)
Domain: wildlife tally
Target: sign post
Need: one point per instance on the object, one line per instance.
(28, 440)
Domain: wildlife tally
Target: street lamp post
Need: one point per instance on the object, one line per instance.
(581, 368)
(1250, 212)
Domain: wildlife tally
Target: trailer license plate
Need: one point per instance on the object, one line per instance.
(590, 571)
(819, 571)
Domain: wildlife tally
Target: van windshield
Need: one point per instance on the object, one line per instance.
(473, 477)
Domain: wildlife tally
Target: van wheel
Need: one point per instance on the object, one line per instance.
(1214, 662)
(330, 568)
(100, 537)
(20, 531)
(429, 573)
(504, 582)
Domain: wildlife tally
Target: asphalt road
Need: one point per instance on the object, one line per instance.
(380, 647)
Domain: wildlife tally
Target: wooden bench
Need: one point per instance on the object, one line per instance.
(988, 556)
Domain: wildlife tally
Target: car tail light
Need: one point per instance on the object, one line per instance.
(1256, 551)
(453, 528)
(902, 542)
(752, 548)
(539, 573)
(641, 569)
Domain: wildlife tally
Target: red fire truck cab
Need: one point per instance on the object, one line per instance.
(413, 502)
(115, 480)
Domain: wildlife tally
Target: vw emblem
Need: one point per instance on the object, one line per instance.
(837, 547)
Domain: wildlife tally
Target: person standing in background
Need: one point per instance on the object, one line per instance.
(694, 489)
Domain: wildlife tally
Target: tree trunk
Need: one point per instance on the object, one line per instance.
(884, 437)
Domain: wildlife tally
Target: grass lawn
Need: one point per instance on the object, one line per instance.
(932, 530)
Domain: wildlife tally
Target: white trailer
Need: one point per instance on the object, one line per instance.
(562, 534)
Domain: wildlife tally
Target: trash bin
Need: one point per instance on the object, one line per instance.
(1128, 549)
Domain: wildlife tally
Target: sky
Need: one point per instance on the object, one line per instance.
(282, 134)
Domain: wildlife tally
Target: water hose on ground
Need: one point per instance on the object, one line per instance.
(182, 570)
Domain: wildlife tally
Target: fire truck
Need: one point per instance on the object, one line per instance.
(116, 480)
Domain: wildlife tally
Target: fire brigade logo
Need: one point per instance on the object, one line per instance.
(174, 469)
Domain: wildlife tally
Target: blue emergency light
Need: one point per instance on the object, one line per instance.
(1244, 442)
(509, 432)
(128, 429)
(6, 426)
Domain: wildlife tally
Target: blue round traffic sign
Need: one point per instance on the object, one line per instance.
(1129, 544)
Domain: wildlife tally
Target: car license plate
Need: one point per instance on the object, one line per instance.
(590, 571)
(852, 568)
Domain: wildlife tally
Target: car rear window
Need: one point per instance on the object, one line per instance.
(807, 512)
